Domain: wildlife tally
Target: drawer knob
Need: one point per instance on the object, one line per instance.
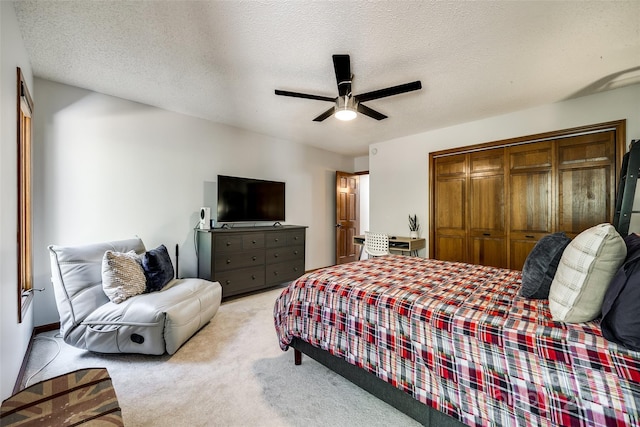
(295, 252)
(275, 240)
(253, 277)
(253, 242)
(228, 261)
(275, 255)
(295, 268)
(228, 282)
(254, 258)
(275, 273)
(486, 234)
(295, 238)
(228, 243)
(529, 237)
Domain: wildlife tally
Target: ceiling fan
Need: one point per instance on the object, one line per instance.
(348, 105)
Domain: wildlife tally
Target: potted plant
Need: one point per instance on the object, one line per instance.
(414, 227)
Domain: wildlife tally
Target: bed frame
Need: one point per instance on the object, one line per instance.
(384, 391)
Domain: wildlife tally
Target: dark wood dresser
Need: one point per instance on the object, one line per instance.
(246, 259)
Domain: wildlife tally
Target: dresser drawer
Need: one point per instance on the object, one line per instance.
(284, 272)
(295, 237)
(231, 261)
(276, 239)
(228, 243)
(287, 253)
(253, 241)
(239, 281)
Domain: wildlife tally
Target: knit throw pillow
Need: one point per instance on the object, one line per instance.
(122, 275)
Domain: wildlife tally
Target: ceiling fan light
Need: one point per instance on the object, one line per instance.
(345, 108)
(345, 114)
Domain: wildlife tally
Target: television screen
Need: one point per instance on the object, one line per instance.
(247, 199)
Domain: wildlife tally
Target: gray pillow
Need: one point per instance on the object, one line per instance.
(586, 269)
(541, 265)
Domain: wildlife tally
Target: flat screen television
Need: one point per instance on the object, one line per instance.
(249, 200)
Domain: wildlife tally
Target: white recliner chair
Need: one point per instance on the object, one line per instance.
(149, 323)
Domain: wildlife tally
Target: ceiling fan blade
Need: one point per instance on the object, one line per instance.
(370, 112)
(390, 91)
(304, 95)
(324, 115)
(342, 66)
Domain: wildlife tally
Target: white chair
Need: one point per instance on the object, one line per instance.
(376, 244)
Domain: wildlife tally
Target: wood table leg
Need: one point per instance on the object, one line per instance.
(297, 356)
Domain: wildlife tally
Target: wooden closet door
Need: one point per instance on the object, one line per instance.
(498, 202)
(530, 198)
(450, 208)
(487, 208)
(586, 181)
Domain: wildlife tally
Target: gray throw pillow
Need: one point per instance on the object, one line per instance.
(541, 265)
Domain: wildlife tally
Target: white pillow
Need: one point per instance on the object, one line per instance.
(122, 275)
(586, 269)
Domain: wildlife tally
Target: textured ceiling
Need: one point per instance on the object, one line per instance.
(222, 60)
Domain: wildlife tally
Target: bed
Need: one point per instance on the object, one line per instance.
(454, 344)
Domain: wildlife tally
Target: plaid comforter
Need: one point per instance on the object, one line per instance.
(458, 338)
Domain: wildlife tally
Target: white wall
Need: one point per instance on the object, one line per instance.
(364, 203)
(108, 168)
(399, 168)
(361, 164)
(364, 208)
(14, 336)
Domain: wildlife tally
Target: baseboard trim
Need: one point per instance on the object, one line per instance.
(23, 368)
(46, 328)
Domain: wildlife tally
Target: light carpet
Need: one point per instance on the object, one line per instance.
(231, 373)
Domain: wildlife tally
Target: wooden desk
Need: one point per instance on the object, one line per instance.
(397, 244)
